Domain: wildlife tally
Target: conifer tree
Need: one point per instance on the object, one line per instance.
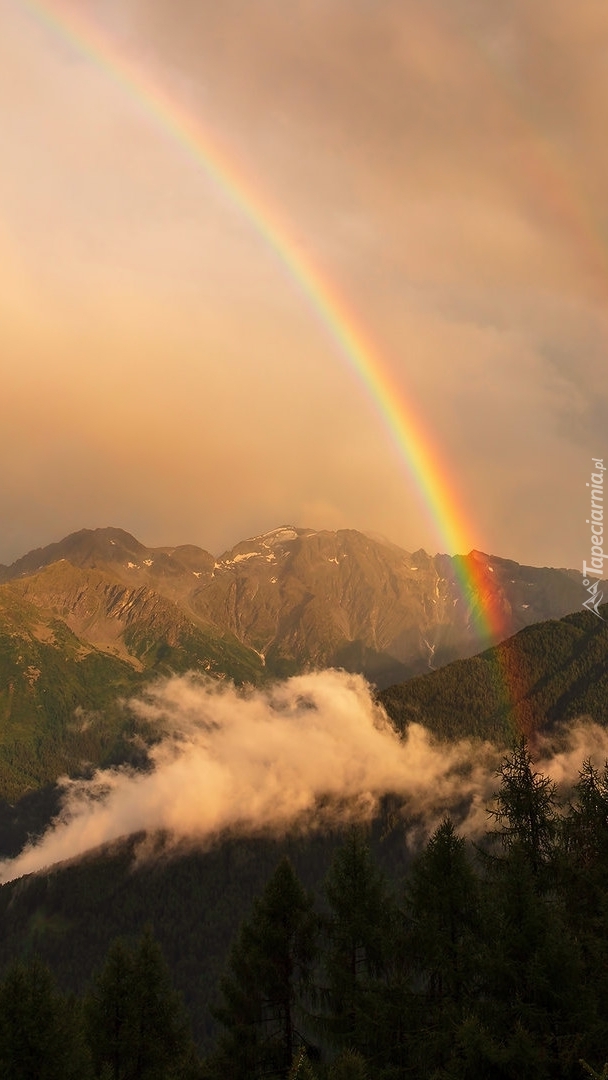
(109, 1011)
(526, 809)
(533, 997)
(41, 1038)
(586, 824)
(357, 941)
(270, 967)
(584, 888)
(442, 905)
(136, 1025)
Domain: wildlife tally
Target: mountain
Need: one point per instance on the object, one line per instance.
(541, 678)
(59, 698)
(285, 601)
(77, 636)
(87, 621)
(554, 671)
(344, 599)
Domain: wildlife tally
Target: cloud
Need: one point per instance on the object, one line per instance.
(312, 750)
(585, 739)
(442, 165)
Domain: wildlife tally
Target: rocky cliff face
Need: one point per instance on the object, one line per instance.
(284, 601)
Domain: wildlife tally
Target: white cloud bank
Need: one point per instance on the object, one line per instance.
(266, 759)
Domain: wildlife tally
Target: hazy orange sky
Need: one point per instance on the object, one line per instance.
(445, 164)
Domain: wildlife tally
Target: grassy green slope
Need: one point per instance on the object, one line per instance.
(59, 701)
(61, 697)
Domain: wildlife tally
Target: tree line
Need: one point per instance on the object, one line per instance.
(487, 961)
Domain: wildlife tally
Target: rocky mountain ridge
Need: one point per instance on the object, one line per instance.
(285, 601)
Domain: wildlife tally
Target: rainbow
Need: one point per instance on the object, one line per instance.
(408, 434)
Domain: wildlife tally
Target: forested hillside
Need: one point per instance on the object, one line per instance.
(454, 961)
(473, 962)
(543, 676)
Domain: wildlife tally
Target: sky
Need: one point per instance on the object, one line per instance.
(440, 164)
